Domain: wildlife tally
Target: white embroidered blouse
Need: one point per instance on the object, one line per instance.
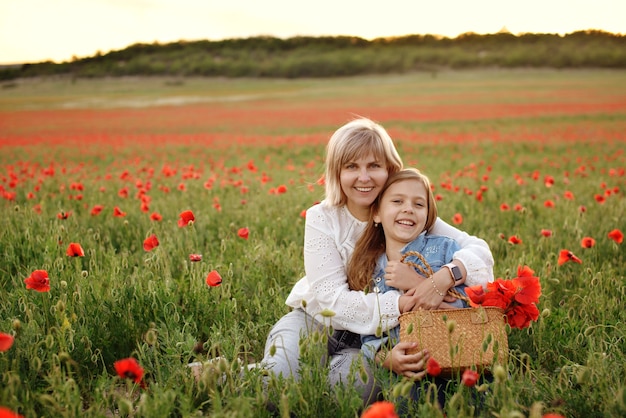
(330, 235)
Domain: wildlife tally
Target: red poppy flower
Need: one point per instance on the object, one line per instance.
(6, 341)
(154, 216)
(546, 232)
(582, 209)
(476, 294)
(303, 213)
(600, 199)
(281, 189)
(150, 243)
(185, 218)
(64, 215)
(548, 181)
(470, 377)
(243, 233)
(587, 242)
(567, 255)
(549, 204)
(75, 250)
(457, 219)
(96, 210)
(515, 240)
(195, 257)
(504, 207)
(38, 281)
(568, 195)
(7, 413)
(117, 212)
(516, 297)
(380, 409)
(213, 279)
(616, 235)
(129, 368)
(551, 415)
(432, 367)
(520, 316)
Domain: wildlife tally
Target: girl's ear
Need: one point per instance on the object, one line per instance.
(376, 218)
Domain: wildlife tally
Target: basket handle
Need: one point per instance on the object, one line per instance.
(427, 271)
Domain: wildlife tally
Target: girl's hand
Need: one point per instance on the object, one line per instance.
(401, 275)
(412, 366)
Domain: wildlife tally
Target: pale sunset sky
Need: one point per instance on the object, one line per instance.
(57, 30)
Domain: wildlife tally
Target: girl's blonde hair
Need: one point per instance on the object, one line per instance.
(371, 244)
(354, 140)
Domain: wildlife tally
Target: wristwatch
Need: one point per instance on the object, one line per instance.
(455, 271)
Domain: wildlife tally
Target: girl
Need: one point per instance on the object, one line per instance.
(359, 158)
(401, 218)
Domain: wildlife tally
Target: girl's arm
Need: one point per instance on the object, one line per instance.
(398, 361)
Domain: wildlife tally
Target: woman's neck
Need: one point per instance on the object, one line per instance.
(359, 212)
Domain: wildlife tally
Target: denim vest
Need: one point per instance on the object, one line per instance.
(437, 250)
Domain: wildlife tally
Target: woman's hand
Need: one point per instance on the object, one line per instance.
(397, 360)
(401, 275)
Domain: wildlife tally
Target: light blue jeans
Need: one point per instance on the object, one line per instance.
(284, 339)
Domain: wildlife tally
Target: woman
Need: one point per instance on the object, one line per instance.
(360, 156)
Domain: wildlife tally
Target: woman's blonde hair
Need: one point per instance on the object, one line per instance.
(371, 244)
(354, 140)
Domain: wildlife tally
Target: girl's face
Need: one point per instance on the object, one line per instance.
(361, 180)
(403, 213)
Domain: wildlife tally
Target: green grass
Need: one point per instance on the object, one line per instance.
(120, 301)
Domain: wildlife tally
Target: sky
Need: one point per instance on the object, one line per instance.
(58, 30)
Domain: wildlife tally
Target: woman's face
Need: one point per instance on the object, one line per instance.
(403, 212)
(361, 180)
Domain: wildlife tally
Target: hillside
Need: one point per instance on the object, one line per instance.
(340, 56)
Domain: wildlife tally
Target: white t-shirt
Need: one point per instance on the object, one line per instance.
(330, 235)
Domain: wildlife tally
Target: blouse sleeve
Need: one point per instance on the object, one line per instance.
(324, 264)
(474, 253)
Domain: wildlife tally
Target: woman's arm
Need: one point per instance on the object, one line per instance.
(474, 258)
(325, 260)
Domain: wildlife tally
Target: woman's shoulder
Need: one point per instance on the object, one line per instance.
(327, 211)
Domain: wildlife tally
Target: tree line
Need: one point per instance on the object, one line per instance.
(332, 56)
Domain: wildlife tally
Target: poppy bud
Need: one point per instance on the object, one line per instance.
(499, 373)
(60, 306)
(124, 406)
(64, 357)
(451, 325)
(545, 313)
(272, 350)
(327, 313)
(406, 388)
(17, 324)
(583, 375)
(151, 337)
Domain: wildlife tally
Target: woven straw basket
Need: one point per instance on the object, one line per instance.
(456, 338)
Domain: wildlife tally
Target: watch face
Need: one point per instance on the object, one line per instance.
(456, 272)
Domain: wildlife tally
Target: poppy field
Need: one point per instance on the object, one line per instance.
(146, 224)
